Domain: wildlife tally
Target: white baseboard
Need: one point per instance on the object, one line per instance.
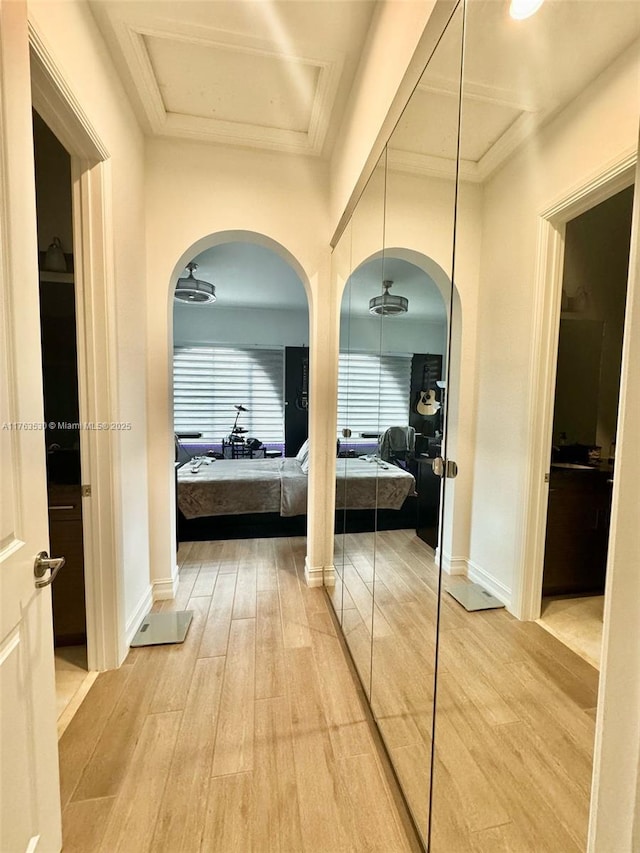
(319, 575)
(142, 608)
(452, 565)
(486, 581)
(166, 588)
(329, 575)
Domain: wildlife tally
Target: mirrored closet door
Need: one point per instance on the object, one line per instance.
(394, 354)
(548, 118)
(358, 424)
(487, 716)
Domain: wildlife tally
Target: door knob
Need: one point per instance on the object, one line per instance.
(44, 563)
(444, 468)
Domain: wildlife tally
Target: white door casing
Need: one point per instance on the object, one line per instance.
(29, 796)
(58, 106)
(527, 592)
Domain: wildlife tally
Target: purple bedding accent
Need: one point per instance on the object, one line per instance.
(241, 486)
(358, 447)
(201, 447)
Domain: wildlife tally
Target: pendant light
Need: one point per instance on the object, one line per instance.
(194, 290)
(387, 304)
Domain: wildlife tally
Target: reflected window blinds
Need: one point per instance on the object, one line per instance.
(373, 392)
(208, 381)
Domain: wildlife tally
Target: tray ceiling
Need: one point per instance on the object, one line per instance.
(517, 75)
(254, 73)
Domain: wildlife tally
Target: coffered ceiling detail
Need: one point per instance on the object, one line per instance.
(516, 78)
(272, 75)
(500, 122)
(217, 86)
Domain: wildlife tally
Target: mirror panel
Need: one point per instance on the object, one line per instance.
(358, 425)
(547, 107)
(420, 203)
(340, 273)
(464, 188)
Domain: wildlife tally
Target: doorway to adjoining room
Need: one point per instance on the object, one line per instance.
(590, 340)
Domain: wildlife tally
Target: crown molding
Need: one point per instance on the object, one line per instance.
(159, 121)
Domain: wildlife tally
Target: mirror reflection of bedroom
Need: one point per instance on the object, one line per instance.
(241, 394)
(391, 391)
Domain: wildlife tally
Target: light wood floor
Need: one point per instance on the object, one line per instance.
(251, 736)
(73, 682)
(577, 622)
(515, 707)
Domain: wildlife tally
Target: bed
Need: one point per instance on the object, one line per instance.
(230, 487)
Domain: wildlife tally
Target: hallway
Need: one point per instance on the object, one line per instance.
(249, 736)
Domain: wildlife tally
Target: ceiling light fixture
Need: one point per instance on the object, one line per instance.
(388, 304)
(194, 290)
(521, 9)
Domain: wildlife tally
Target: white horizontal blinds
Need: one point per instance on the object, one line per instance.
(373, 392)
(208, 381)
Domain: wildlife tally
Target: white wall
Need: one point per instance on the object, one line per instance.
(393, 39)
(279, 327)
(597, 128)
(202, 324)
(615, 802)
(400, 334)
(70, 33)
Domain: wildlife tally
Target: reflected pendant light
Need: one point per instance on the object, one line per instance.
(387, 304)
(194, 290)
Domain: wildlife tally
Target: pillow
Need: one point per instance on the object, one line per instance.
(303, 454)
(304, 466)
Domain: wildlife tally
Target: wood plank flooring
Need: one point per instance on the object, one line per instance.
(514, 716)
(250, 736)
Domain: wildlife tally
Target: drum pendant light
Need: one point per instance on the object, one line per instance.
(194, 290)
(388, 304)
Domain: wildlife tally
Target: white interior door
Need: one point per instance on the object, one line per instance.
(29, 794)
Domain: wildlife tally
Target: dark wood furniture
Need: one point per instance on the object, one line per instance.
(68, 593)
(428, 502)
(578, 515)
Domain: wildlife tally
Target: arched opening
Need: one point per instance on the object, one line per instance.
(240, 388)
(393, 369)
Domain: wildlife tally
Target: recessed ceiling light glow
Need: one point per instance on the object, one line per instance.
(521, 9)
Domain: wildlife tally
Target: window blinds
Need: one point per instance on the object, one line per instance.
(208, 381)
(373, 392)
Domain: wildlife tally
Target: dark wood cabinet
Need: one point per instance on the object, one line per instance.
(428, 488)
(578, 515)
(65, 536)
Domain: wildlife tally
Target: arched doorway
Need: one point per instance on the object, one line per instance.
(240, 389)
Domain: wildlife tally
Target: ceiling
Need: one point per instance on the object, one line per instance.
(517, 74)
(258, 73)
(246, 275)
(276, 74)
(250, 276)
(425, 301)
